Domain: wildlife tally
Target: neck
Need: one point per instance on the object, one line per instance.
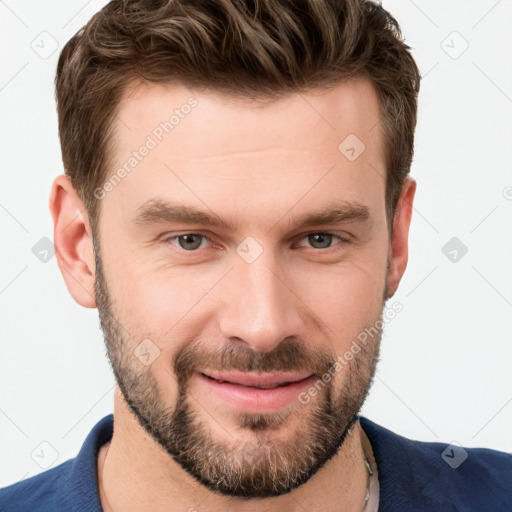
(135, 473)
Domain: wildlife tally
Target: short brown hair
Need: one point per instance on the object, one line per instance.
(254, 49)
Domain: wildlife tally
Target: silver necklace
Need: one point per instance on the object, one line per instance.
(368, 479)
(372, 482)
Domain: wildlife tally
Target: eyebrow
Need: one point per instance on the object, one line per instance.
(158, 210)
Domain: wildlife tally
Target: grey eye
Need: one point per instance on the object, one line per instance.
(190, 241)
(320, 240)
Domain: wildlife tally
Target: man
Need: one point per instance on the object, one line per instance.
(237, 204)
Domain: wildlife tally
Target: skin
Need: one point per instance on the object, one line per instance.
(262, 165)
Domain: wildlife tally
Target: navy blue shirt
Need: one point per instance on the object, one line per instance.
(414, 476)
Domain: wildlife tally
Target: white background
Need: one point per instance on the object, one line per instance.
(445, 373)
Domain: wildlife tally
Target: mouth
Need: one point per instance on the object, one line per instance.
(260, 381)
(256, 393)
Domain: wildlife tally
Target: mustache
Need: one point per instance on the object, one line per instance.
(289, 355)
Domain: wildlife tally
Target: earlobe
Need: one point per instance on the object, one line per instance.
(73, 241)
(399, 243)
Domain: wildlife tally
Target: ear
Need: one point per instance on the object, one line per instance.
(72, 238)
(399, 246)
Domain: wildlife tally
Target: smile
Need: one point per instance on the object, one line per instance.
(257, 393)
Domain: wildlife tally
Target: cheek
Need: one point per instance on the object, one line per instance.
(158, 299)
(347, 299)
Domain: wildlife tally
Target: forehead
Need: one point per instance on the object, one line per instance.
(307, 119)
(232, 153)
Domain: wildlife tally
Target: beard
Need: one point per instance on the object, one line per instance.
(268, 464)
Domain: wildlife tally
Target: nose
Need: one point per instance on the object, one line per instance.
(260, 307)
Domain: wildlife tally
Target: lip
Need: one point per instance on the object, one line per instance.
(240, 391)
(258, 379)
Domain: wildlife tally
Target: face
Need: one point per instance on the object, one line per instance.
(237, 262)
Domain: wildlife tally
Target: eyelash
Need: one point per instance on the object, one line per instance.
(206, 237)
